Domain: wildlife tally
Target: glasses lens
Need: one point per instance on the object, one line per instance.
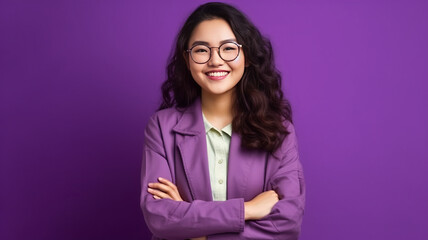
(229, 51)
(200, 53)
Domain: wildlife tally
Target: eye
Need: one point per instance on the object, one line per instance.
(229, 48)
(200, 49)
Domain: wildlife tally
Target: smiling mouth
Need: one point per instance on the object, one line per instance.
(217, 74)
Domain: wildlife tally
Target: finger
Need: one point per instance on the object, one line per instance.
(167, 182)
(162, 187)
(158, 193)
(173, 192)
(274, 194)
(176, 194)
(156, 197)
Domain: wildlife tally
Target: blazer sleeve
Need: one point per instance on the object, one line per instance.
(171, 219)
(284, 221)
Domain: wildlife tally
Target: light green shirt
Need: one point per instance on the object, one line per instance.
(218, 143)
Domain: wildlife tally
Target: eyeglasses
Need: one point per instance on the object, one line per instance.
(227, 51)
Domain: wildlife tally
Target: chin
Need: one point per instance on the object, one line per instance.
(220, 92)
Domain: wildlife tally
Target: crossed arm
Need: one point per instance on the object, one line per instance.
(257, 208)
(167, 216)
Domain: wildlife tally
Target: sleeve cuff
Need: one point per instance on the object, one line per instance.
(242, 216)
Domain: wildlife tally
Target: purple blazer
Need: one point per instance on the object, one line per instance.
(175, 148)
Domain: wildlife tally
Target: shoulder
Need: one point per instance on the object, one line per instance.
(164, 119)
(290, 140)
(180, 120)
(159, 128)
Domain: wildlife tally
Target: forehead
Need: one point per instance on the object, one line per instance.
(212, 31)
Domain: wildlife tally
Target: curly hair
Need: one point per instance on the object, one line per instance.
(259, 108)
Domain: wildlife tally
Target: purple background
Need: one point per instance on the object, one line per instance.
(79, 80)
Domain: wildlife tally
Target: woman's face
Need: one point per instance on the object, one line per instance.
(215, 77)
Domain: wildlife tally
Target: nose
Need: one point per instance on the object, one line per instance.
(215, 59)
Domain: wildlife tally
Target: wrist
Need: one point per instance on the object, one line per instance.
(247, 210)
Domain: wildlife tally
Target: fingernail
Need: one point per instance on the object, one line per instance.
(150, 184)
(160, 178)
(149, 189)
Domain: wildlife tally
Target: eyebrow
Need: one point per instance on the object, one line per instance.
(206, 43)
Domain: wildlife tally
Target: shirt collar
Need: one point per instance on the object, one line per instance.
(208, 126)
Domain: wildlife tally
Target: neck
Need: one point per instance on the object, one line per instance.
(218, 108)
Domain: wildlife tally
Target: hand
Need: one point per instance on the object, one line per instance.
(164, 189)
(260, 206)
(167, 189)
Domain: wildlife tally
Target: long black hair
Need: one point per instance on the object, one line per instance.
(259, 108)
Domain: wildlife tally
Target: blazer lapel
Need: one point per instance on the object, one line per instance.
(191, 142)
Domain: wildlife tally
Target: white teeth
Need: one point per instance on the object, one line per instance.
(217, 74)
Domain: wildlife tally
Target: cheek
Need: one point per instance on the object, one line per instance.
(196, 72)
(195, 69)
(238, 65)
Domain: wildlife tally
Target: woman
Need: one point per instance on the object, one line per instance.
(220, 157)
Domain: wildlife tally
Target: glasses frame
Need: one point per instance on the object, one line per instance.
(218, 52)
